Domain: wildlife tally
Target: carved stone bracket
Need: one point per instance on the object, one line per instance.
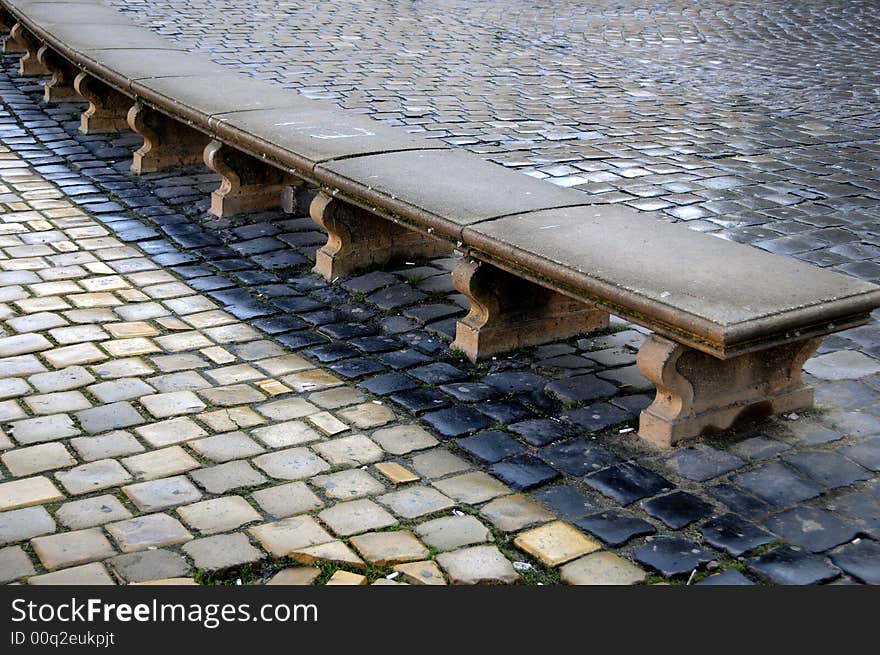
(698, 393)
(60, 87)
(108, 108)
(167, 142)
(247, 184)
(508, 312)
(358, 239)
(28, 65)
(7, 22)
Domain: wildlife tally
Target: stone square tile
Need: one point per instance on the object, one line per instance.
(389, 548)
(149, 565)
(337, 397)
(288, 433)
(395, 473)
(255, 350)
(120, 389)
(272, 387)
(180, 381)
(14, 388)
(72, 548)
(43, 428)
(734, 535)
(346, 578)
(180, 362)
(232, 333)
(235, 374)
(14, 564)
(288, 499)
(222, 552)
(438, 463)
(286, 409)
(36, 459)
(162, 493)
(104, 418)
(672, 556)
(283, 365)
(356, 516)
(677, 509)
(131, 330)
(555, 543)
(327, 424)
(477, 565)
(231, 418)
(171, 431)
(348, 484)
(90, 575)
(787, 565)
(35, 322)
(28, 491)
(60, 402)
(141, 311)
(282, 537)
(72, 377)
(355, 450)
(472, 488)
(223, 478)
(22, 365)
(415, 500)
(333, 552)
(91, 512)
(112, 444)
(150, 530)
(311, 380)
(82, 353)
(218, 355)
(225, 447)
(602, 569)
(182, 341)
(814, 529)
(453, 532)
(403, 439)
(122, 368)
(94, 476)
(859, 559)
(210, 318)
(77, 334)
(160, 463)
(25, 523)
(218, 514)
(23, 344)
(175, 403)
(367, 415)
(421, 573)
(291, 464)
(615, 527)
(514, 512)
(169, 290)
(236, 394)
(133, 347)
(10, 410)
(295, 576)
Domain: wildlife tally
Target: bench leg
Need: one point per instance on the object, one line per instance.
(247, 184)
(698, 393)
(28, 65)
(167, 143)
(108, 108)
(358, 239)
(60, 87)
(508, 312)
(10, 45)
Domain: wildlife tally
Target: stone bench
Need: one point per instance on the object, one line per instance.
(732, 325)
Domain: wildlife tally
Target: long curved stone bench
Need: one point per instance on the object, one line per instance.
(732, 325)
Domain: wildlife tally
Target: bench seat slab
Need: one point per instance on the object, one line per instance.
(698, 393)
(167, 142)
(108, 108)
(508, 312)
(358, 239)
(247, 184)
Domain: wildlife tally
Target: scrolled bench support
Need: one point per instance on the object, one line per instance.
(60, 87)
(698, 393)
(358, 239)
(28, 65)
(7, 22)
(167, 142)
(247, 183)
(108, 108)
(508, 312)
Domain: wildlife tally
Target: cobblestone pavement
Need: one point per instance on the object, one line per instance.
(144, 356)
